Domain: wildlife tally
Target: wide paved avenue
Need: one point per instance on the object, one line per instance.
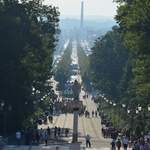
(91, 126)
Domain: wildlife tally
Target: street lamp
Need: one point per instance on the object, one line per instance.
(2, 104)
(143, 116)
(131, 112)
(110, 102)
(114, 104)
(149, 107)
(5, 115)
(92, 86)
(108, 106)
(123, 105)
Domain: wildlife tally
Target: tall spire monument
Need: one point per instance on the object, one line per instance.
(82, 7)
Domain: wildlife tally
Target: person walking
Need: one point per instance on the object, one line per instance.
(66, 132)
(58, 132)
(95, 113)
(118, 144)
(18, 137)
(135, 145)
(46, 138)
(92, 113)
(146, 144)
(88, 143)
(37, 138)
(41, 133)
(141, 144)
(55, 131)
(49, 132)
(113, 144)
(125, 142)
(88, 114)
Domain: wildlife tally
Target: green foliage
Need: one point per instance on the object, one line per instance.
(132, 81)
(83, 63)
(134, 19)
(28, 34)
(125, 89)
(141, 80)
(61, 73)
(107, 61)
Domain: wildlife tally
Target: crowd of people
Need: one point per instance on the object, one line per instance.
(139, 144)
(122, 137)
(32, 136)
(114, 132)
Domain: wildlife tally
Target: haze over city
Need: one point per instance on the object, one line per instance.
(74, 75)
(91, 8)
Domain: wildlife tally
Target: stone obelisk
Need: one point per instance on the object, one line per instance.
(81, 22)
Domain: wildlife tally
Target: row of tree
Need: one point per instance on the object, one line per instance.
(119, 63)
(120, 60)
(134, 19)
(62, 71)
(107, 61)
(28, 35)
(83, 66)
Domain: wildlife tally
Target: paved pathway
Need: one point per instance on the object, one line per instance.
(86, 126)
(53, 147)
(48, 148)
(91, 126)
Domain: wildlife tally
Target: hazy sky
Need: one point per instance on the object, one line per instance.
(91, 7)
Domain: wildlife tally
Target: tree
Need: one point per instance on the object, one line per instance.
(107, 61)
(61, 72)
(83, 65)
(28, 37)
(133, 18)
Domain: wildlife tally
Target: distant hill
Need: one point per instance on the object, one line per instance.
(94, 18)
(90, 22)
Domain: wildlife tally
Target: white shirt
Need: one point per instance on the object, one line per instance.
(18, 135)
